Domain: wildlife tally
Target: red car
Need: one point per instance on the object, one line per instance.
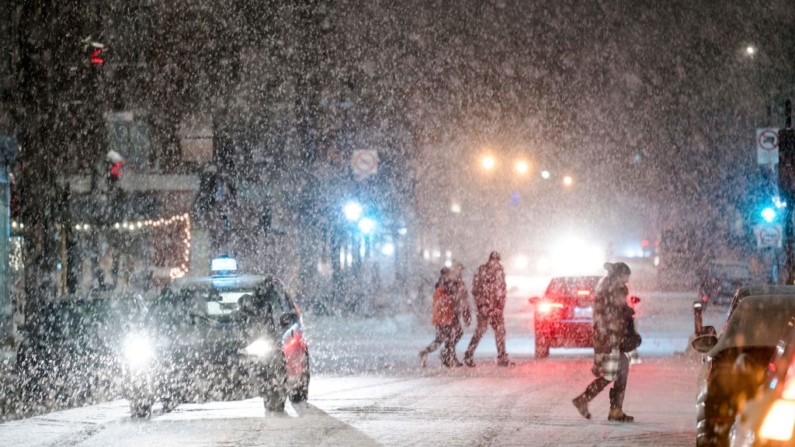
(564, 315)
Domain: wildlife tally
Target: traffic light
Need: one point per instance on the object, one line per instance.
(116, 163)
(95, 51)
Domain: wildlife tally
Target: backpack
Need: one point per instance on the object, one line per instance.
(443, 307)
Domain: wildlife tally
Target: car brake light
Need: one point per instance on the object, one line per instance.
(779, 421)
(583, 292)
(545, 306)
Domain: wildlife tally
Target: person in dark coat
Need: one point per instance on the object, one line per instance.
(610, 327)
(461, 303)
(489, 291)
(446, 319)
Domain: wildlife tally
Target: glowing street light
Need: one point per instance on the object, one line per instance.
(456, 208)
(545, 175)
(488, 162)
(750, 50)
(522, 167)
(567, 180)
(353, 211)
(366, 225)
(769, 214)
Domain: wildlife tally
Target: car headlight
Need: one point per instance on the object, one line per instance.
(259, 348)
(138, 351)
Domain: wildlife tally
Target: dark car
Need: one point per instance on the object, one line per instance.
(735, 363)
(218, 338)
(563, 316)
(720, 280)
(769, 420)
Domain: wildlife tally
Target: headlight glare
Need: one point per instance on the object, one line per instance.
(259, 348)
(138, 351)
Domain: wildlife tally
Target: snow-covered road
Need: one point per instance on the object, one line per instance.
(370, 391)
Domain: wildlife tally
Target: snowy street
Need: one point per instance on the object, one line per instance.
(373, 392)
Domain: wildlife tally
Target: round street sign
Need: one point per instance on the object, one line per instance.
(768, 236)
(767, 140)
(364, 163)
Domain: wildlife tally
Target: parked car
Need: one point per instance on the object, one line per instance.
(223, 337)
(769, 420)
(735, 362)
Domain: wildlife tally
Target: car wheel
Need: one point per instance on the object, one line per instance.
(140, 409)
(542, 347)
(301, 392)
(274, 401)
(274, 393)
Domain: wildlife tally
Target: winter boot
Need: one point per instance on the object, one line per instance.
(581, 403)
(616, 413)
(423, 358)
(469, 362)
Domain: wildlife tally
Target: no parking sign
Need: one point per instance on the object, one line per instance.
(768, 235)
(364, 163)
(767, 145)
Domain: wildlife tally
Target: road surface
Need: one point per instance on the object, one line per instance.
(368, 390)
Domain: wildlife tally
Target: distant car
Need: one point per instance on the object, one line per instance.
(563, 316)
(735, 362)
(722, 278)
(224, 337)
(769, 420)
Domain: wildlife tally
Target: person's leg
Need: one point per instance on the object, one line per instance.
(455, 333)
(617, 392)
(498, 323)
(431, 347)
(483, 322)
(591, 391)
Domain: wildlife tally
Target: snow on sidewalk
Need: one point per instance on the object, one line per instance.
(67, 427)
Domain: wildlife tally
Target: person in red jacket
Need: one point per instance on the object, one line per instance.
(445, 318)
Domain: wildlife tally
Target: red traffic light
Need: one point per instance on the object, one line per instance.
(96, 56)
(115, 170)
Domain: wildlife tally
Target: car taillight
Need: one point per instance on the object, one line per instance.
(546, 306)
(779, 421)
(583, 292)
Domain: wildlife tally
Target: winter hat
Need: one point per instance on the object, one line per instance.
(494, 256)
(617, 268)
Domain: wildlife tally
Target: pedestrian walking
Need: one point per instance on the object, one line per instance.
(445, 316)
(489, 292)
(615, 342)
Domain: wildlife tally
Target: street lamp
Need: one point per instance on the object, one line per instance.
(567, 180)
(456, 208)
(769, 214)
(522, 167)
(488, 162)
(545, 175)
(353, 211)
(750, 50)
(366, 225)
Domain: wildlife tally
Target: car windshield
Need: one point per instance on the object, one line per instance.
(573, 286)
(758, 321)
(211, 305)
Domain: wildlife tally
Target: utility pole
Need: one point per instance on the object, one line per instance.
(786, 178)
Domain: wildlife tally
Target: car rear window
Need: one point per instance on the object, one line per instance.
(572, 287)
(758, 321)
